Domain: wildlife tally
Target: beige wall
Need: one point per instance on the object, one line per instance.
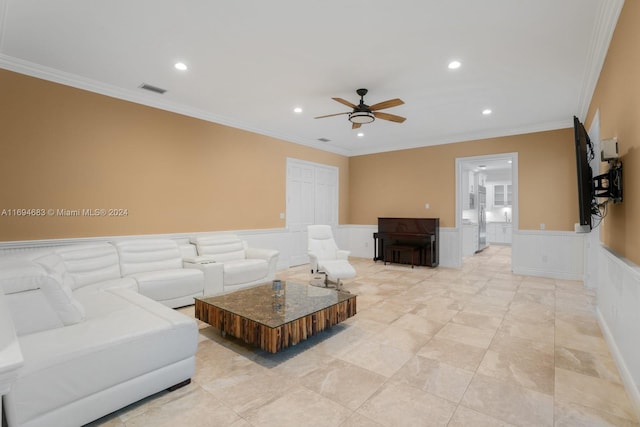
(399, 183)
(64, 148)
(617, 98)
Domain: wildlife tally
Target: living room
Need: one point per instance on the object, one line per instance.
(66, 148)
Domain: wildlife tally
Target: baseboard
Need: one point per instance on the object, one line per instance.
(562, 275)
(627, 380)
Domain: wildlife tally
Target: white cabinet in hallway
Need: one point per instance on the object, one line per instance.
(499, 232)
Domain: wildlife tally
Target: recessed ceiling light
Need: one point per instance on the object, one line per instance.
(181, 66)
(297, 110)
(509, 161)
(360, 134)
(486, 111)
(454, 65)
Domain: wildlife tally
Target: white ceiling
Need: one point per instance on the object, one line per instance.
(535, 63)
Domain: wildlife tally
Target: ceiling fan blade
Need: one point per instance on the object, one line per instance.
(356, 125)
(331, 115)
(386, 104)
(390, 117)
(345, 102)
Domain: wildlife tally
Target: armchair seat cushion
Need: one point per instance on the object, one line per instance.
(337, 269)
(241, 271)
(163, 285)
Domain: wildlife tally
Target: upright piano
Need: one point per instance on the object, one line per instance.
(421, 233)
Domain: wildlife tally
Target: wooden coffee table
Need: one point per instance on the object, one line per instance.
(260, 318)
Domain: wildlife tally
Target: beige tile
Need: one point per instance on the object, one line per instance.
(531, 331)
(582, 362)
(358, 420)
(582, 336)
(435, 377)
(486, 309)
(531, 312)
(503, 341)
(454, 353)
(382, 312)
(345, 383)
(404, 339)
(418, 324)
(466, 335)
(574, 286)
(197, 408)
(434, 313)
(296, 407)
(479, 321)
(340, 339)
(402, 405)
(377, 357)
(543, 297)
(251, 392)
(567, 302)
(525, 367)
(229, 368)
(596, 393)
(495, 291)
(509, 402)
(571, 414)
(301, 363)
(488, 301)
(465, 417)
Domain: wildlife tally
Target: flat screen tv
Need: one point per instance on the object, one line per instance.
(584, 154)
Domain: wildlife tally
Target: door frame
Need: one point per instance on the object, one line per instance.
(460, 163)
(333, 221)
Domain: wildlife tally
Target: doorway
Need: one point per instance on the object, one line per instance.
(486, 202)
(312, 198)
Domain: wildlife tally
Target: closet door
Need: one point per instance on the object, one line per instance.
(312, 198)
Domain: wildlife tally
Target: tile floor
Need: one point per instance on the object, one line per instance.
(478, 346)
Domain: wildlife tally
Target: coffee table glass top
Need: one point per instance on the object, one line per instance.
(261, 305)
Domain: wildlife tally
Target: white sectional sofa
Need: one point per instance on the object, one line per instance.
(94, 325)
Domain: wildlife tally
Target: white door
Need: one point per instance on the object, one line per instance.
(312, 198)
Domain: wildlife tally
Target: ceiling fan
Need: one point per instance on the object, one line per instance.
(363, 113)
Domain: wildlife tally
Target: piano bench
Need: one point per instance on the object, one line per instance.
(393, 253)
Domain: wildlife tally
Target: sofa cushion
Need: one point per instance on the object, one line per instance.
(244, 270)
(20, 275)
(137, 256)
(221, 248)
(169, 284)
(24, 275)
(59, 295)
(88, 264)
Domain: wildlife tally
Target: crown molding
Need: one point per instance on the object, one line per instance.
(472, 136)
(608, 14)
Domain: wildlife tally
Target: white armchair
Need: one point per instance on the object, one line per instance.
(325, 257)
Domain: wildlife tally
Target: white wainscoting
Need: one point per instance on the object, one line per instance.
(618, 297)
(555, 254)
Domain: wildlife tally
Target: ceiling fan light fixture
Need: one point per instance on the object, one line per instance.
(361, 117)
